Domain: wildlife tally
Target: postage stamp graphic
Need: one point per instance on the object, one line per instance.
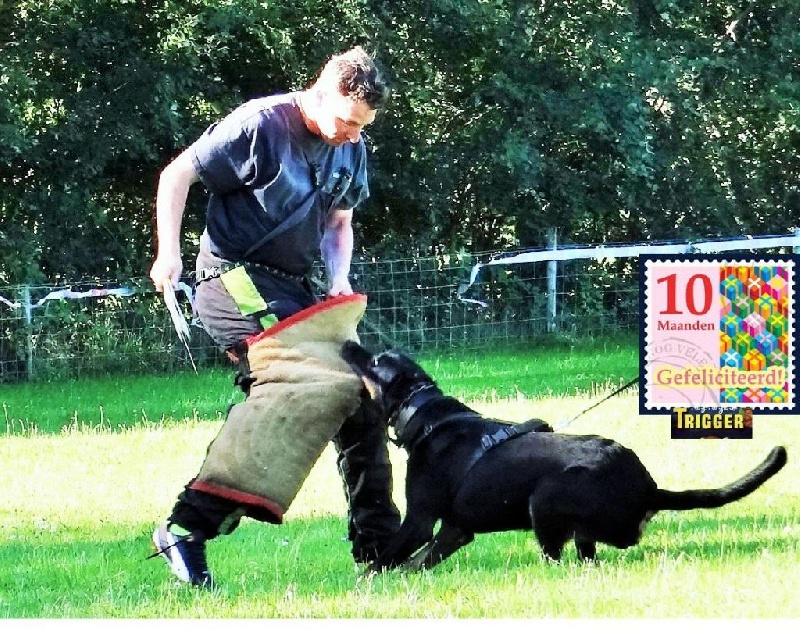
(718, 332)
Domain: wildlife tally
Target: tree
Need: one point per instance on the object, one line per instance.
(609, 121)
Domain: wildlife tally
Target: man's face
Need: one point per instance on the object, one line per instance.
(340, 119)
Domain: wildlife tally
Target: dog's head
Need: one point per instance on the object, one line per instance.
(390, 377)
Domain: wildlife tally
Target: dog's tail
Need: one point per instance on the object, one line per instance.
(710, 498)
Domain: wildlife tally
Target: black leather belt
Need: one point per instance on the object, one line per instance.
(204, 274)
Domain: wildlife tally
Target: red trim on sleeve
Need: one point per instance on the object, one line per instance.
(306, 313)
(265, 509)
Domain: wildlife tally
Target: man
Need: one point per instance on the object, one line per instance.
(283, 175)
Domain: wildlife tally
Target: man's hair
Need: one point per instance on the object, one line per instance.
(355, 74)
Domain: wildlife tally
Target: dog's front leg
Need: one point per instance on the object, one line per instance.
(446, 542)
(413, 533)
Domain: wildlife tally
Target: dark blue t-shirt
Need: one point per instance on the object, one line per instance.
(260, 165)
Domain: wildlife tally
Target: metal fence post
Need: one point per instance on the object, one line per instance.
(552, 277)
(26, 299)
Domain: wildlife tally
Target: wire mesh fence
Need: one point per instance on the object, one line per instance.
(416, 303)
(428, 303)
(95, 328)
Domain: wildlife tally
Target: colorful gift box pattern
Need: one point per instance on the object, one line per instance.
(754, 331)
(776, 325)
(766, 306)
(725, 306)
(754, 287)
(731, 396)
(765, 273)
(766, 343)
(777, 288)
(725, 343)
(732, 359)
(754, 396)
(776, 395)
(754, 360)
(742, 342)
(754, 324)
(732, 287)
(777, 358)
(742, 306)
(731, 325)
(743, 273)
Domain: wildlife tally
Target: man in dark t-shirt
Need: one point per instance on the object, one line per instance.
(283, 175)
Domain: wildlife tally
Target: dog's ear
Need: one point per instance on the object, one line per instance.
(408, 366)
(536, 425)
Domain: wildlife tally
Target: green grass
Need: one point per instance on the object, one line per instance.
(80, 501)
(568, 367)
(589, 368)
(117, 402)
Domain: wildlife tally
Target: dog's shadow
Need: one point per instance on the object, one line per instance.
(672, 535)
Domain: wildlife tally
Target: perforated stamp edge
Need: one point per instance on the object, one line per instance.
(648, 263)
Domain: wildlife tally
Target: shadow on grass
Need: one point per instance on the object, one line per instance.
(701, 536)
(690, 535)
(104, 572)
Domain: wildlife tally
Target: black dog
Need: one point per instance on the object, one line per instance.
(481, 475)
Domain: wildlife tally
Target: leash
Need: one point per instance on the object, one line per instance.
(178, 322)
(622, 388)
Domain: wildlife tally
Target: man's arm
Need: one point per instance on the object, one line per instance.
(337, 251)
(173, 189)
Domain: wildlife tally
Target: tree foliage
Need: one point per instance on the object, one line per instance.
(604, 119)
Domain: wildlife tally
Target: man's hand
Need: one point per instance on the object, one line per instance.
(340, 287)
(166, 270)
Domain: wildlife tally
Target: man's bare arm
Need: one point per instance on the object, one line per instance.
(173, 190)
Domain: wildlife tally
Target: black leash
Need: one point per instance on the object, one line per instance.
(596, 404)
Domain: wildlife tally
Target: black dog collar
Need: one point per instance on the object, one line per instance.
(409, 407)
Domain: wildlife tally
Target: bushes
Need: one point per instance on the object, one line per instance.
(95, 336)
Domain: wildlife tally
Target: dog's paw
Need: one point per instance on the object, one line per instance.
(365, 571)
(374, 567)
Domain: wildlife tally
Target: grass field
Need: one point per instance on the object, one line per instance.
(88, 468)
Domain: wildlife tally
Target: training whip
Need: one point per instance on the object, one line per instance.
(178, 321)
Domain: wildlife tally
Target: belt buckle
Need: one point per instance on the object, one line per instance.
(204, 274)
